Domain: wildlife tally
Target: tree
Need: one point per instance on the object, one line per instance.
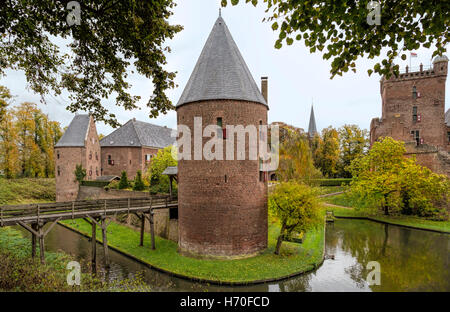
(297, 208)
(9, 152)
(80, 173)
(138, 183)
(353, 143)
(347, 30)
(326, 156)
(163, 159)
(5, 96)
(388, 181)
(296, 162)
(27, 139)
(123, 183)
(26, 128)
(107, 40)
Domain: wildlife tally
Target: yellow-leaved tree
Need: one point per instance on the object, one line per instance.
(394, 184)
(297, 208)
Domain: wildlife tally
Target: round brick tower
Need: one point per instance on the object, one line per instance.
(222, 203)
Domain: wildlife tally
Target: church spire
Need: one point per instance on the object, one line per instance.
(312, 130)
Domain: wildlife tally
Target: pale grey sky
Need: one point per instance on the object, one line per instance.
(296, 77)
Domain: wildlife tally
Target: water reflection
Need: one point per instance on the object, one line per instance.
(411, 260)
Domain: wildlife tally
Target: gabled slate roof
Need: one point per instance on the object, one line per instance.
(139, 133)
(172, 170)
(447, 118)
(221, 72)
(76, 133)
(312, 130)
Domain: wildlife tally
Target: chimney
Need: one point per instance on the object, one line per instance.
(264, 88)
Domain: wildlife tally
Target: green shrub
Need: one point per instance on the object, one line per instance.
(80, 173)
(113, 185)
(123, 183)
(138, 183)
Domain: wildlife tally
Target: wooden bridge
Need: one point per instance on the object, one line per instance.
(33, 217)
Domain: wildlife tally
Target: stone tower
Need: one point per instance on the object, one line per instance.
(312, 129)
(222, 203)
(413, 111)
(78, 145)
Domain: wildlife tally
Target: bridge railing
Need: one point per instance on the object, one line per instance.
(66, 210)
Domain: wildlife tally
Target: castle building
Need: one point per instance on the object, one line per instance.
(131, 147)
(413, 111)
(78, 145)
(222, 203)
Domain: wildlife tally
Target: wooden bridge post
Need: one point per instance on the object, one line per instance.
(41, 242)
(142, 229)
(152, 229)
(94, 247)
(34, 226)
(105, 242)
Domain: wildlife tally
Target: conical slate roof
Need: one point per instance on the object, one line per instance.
(76, 133)
(312, 130)
(221, 72)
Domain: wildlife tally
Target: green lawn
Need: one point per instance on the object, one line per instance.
(330, 189)
(294, 258)
(412, 221)
(26, 191)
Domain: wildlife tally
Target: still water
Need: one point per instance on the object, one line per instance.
(410, 260)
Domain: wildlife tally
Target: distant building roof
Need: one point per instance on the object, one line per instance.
(447, 118)
(312, 130)
(76, 133)
(139, 133)
(171, 171)
(108, 178)
(221, 72)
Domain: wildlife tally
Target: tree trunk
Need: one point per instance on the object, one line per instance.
(280, 239)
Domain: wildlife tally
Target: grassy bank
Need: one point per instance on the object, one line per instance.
(19, 272)
(410, 221)
(330, 189)
(294, 258)
(26, 191)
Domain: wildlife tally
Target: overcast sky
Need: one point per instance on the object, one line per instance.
(296, 77)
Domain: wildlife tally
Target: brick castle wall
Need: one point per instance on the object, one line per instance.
(398, 102)
(222, 204)
(129, 159)
(66, 159)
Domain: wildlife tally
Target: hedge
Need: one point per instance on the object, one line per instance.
(333, 182)
(95, 183)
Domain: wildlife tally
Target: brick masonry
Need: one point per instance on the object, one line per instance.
(397, 121)
(68, 157)
(129, 159)
(222, 203)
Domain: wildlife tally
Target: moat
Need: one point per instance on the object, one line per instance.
(410, 260)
